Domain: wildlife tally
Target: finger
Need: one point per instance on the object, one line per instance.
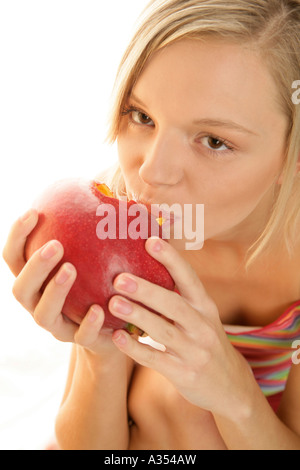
(48, 311)
(144, 354)
(28, 284)
(90, 326)
(184, 276)
(164, 301)
(13, 251)
(157, 327)
(161, 300)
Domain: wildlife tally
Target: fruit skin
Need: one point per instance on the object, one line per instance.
(67, 213)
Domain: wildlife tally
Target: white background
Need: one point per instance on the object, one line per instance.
(58, 60)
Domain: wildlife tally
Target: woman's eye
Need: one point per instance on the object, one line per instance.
(141, 118)
(214, 143)
(137, 116)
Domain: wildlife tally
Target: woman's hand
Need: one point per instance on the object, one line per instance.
(46, 307)
(198, 358)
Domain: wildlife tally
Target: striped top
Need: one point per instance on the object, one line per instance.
(269, 351)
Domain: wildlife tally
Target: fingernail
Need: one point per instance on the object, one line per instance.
(24, 218)
(64, 274)
(156, 245)
(126, 284)
(50, 249)
(120, 338)
(93, 313)
(122, 306)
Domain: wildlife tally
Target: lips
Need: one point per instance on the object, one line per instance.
(163, 213)
(166, 216)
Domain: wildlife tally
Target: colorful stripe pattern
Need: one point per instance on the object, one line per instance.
(269, 350)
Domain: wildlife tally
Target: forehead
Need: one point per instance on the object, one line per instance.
(194, 76)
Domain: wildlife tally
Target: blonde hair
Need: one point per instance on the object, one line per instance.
(272, 27)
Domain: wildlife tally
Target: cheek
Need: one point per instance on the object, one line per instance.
(236, 197)
(126, 160)
(123, 151)
(129, 157)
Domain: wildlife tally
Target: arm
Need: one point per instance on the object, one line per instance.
(93, 414)
(289, 410)
(200, 361)
(94, 409)
(259, 428)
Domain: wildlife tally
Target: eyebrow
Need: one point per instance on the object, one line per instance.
(225, 124)
(135, 98)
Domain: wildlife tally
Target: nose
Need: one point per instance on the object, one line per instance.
(163, 160)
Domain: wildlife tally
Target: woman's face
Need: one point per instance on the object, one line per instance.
(203, 126)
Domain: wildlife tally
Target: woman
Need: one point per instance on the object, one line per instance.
(203, 113)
